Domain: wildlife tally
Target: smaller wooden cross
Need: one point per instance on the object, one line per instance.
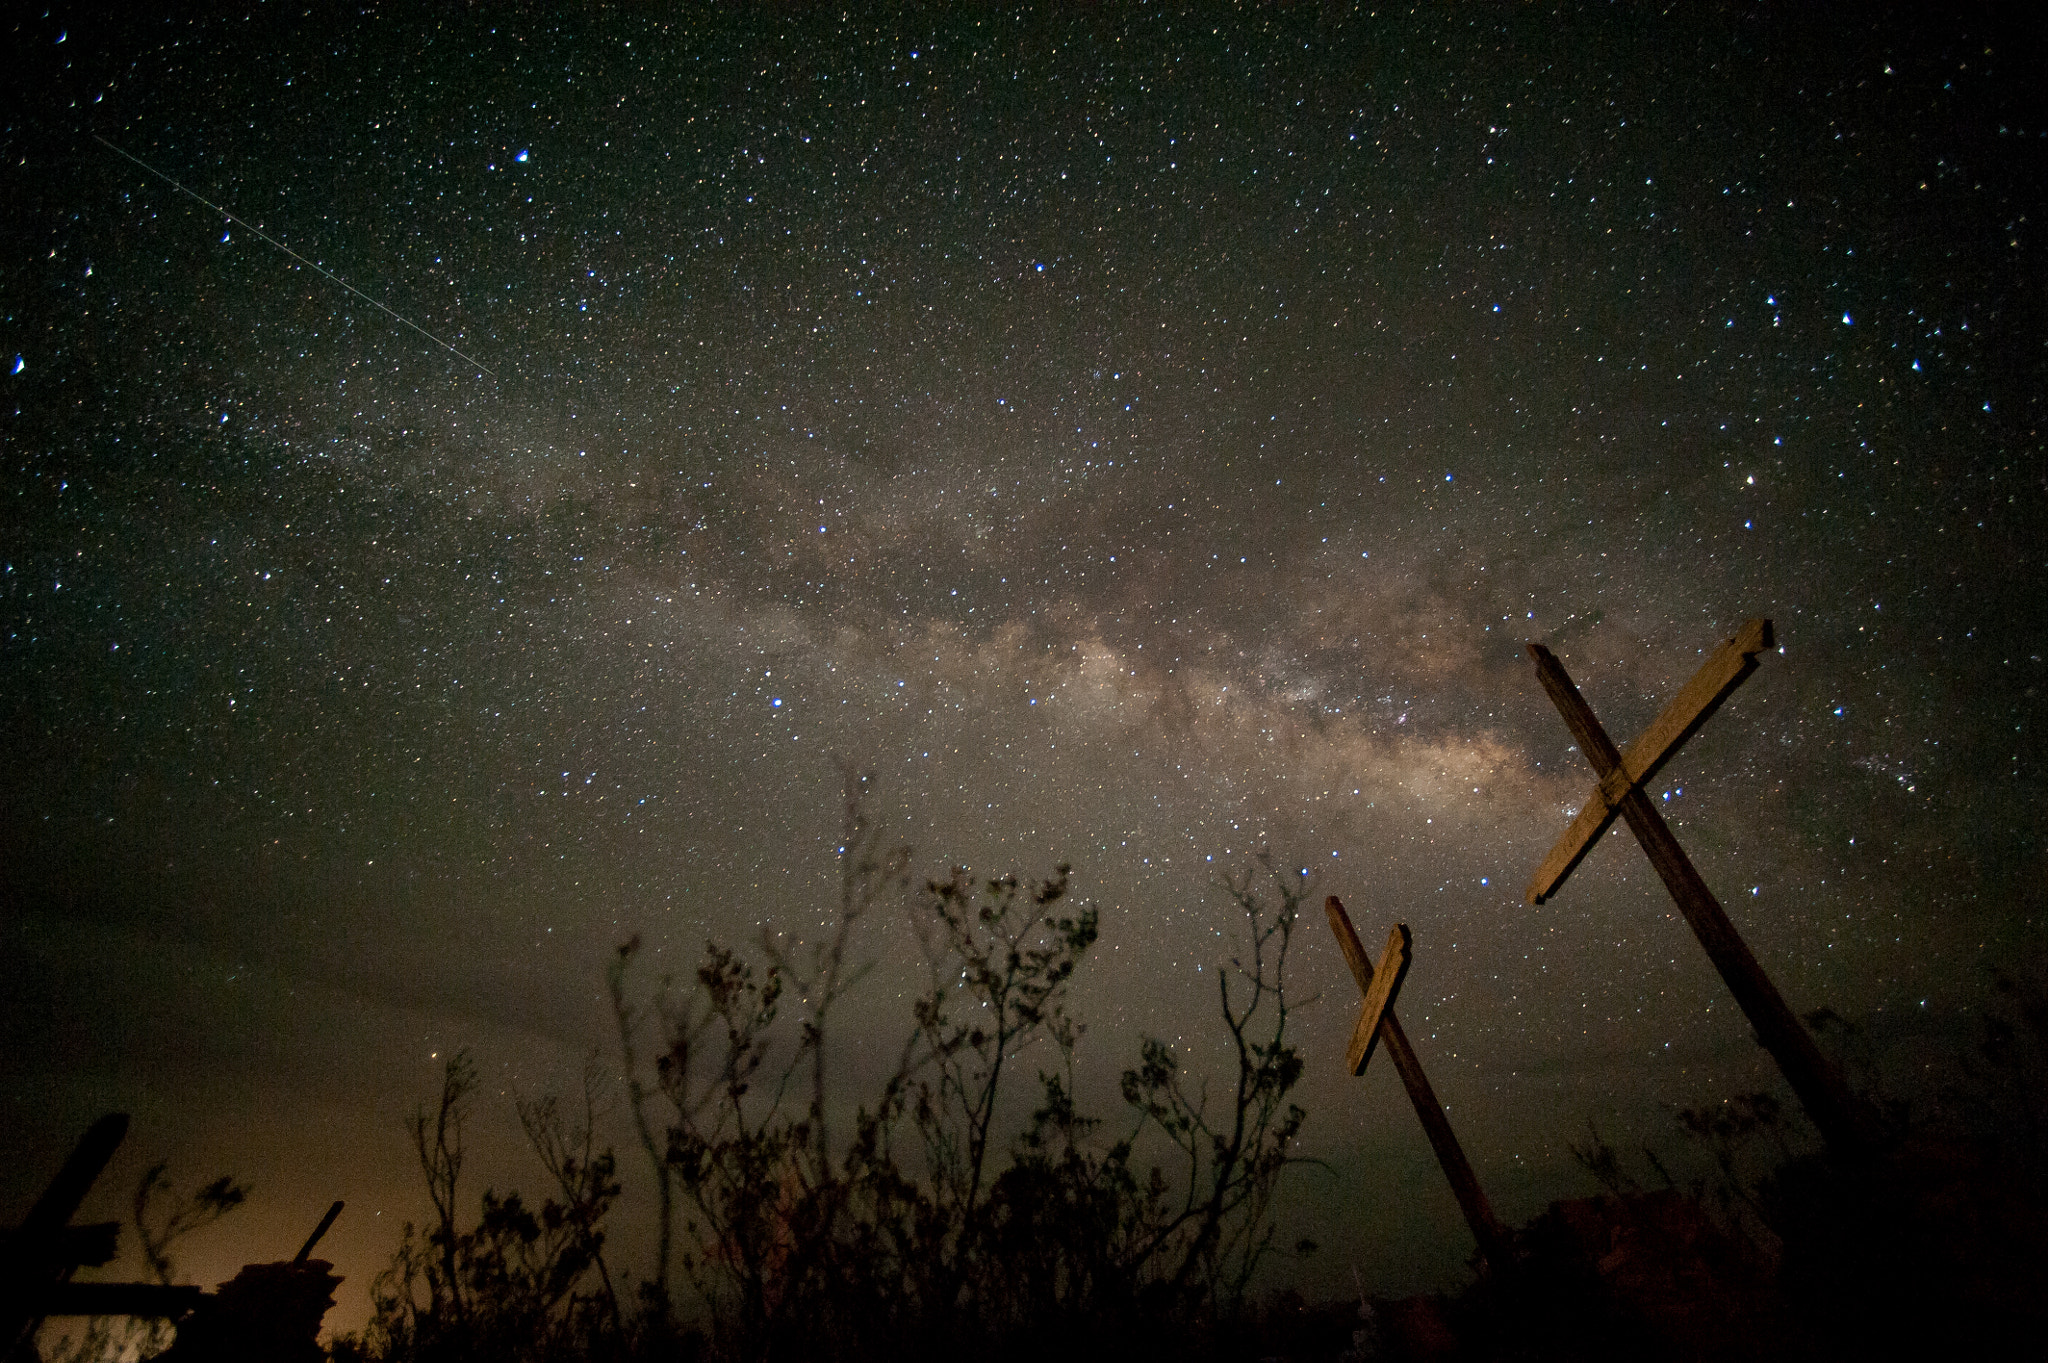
(1386, 982)
(1377, 1021)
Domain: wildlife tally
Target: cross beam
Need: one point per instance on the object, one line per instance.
(1386, 982)
(1727, 669)
(1848, 1124)
(40, 1257)
(1492, 1238)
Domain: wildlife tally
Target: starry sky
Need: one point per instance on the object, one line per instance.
(1139, 437)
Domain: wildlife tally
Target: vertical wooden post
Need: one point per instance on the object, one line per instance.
(1492, 1237)
(1846, 1123)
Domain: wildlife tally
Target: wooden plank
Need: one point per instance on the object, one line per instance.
(31, 1259)
(1728, 667)
(59, 1202)
(1386, 982)
(306, 1250)
(1348, 943)
(1717, 678)
(1847, 1123)
(1492, 1237)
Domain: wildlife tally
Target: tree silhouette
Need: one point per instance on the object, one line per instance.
(926, 1226)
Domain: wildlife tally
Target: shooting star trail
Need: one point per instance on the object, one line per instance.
(251, 227)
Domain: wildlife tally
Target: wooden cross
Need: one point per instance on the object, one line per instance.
(38, 1258)
(1848, 1125)
(1377, 1021)
(1379, 997)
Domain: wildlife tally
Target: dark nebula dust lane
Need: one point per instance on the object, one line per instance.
(1140, 440)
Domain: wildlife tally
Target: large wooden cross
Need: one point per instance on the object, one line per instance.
(1376, 1021)
(1847, 1123)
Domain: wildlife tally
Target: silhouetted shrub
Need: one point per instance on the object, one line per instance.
(927, 1228)
(520, 1283)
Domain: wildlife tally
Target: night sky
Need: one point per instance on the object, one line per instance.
(1138, 438)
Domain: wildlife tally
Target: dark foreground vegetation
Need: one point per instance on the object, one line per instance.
(968, 1208)
(1935, 1245)
(926, 1227)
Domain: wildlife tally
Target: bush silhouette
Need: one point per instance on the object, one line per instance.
(926, 1227)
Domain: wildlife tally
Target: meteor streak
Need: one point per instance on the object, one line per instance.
(251, 227)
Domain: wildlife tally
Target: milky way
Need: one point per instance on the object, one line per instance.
(1139, 441)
